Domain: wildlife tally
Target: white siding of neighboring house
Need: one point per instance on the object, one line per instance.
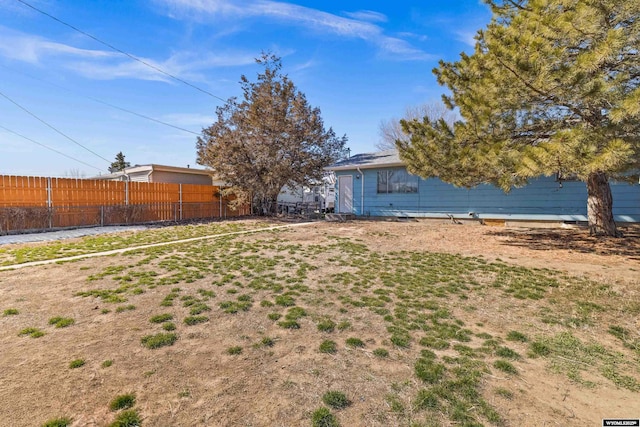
(179, 178)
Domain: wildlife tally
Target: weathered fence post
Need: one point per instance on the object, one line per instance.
(180, 200)
(49, 202)
(102, 216)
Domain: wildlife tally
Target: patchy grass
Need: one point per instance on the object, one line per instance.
(77, 363)
(336, 399)
(128, 418)
(429, 309)
(159, 340)
(354, 342)
(161, 318)
(194, 320)
(234, 350)
(61, 322)
(329, 347)
(58, 422)
(92, 244)
(123, 401)
(570, 355)
(323, 417)
(32, 332)
(10, 312)
(381, 353)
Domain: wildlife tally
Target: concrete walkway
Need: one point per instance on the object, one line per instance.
(152, 245)
(49, 236)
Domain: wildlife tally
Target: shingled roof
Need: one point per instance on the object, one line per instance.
(388, 158)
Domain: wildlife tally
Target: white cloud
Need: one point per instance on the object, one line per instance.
(367, 15)
(355, 26)
(106, 65)
(466, 36)
(28, 48)
(194, 120)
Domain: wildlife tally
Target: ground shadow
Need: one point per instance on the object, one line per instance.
(577, 240)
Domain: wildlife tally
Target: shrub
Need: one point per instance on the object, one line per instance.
(159, 340)
(274, 316)
(123, 401)
(322, 417)
(107, 363)
(336, 399)
(329, 347)
(10, 312)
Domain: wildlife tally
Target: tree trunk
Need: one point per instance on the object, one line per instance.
(600, 206)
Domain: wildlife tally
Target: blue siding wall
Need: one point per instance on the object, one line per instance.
(543, 199)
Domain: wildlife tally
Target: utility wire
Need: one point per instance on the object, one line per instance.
(110, 46)
(52, 127)
(103, 102)
(49, 148)
(142, 115)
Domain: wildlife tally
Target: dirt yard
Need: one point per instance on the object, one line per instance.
(458, 325)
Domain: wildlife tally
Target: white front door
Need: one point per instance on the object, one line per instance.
(345, 194)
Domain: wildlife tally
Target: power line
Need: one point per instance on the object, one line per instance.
(103, 102)
(52, 127)
(49, 148)
(110, 46)
(142, 115)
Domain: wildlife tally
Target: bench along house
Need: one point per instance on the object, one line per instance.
(378, 185)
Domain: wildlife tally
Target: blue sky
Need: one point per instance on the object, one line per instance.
(360, 62)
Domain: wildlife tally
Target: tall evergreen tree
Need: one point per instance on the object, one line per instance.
(120, 164)
(270, 139)
(552, 87)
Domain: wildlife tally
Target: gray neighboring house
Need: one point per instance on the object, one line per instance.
(378, 185)
(165, 174)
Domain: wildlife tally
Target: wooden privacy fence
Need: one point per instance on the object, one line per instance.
(28, 202)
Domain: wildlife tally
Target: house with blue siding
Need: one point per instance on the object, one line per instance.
(378, 185)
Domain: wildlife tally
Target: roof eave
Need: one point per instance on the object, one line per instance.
(355, 167)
